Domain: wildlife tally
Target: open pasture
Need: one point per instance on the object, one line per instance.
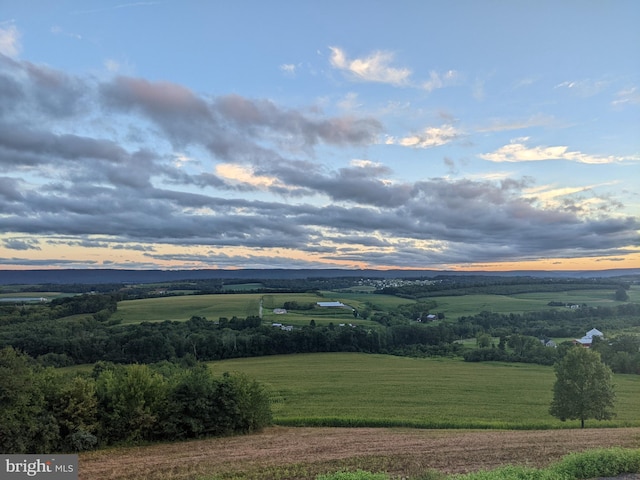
(456, 306)
(349, 389)
(182, 308)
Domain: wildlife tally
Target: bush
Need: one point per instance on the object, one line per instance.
(599, 463)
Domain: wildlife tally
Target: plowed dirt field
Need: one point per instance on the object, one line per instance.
(302, 453)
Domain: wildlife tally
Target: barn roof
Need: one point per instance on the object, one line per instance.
(594, 332)
(331, 304)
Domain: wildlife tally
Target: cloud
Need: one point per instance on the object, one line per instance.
(501, 125)
(261, 186)
(430, 137)
(374, 68)
(10, 41)
(585, 87)
(627, 96)
(57, 30)
(288, 69)
(21, 244)
(518, 151)
(440, 80)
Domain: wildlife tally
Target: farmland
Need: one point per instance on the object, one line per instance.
(345, 389)
(407, 384)
(358, 391)
(183, 307)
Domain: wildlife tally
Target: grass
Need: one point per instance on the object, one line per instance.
(345, 389)
(182, 308)
(456, 306)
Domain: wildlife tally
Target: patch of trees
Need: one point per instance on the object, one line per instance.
(521, 335)
(556, 323)
(86, 340)
(46, 411)
(100, 306)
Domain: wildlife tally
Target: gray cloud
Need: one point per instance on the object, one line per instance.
(71, 182)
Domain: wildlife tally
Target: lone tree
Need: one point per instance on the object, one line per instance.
(583, 387)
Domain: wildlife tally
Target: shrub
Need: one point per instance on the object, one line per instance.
(599, 463)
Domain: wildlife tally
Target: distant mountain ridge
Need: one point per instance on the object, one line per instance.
(97, 276)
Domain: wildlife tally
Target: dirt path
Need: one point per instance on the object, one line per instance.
(309, 451)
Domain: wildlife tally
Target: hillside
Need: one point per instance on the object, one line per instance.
(95, 276)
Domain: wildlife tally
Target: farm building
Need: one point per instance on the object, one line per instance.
(331, 304)
(587, 340)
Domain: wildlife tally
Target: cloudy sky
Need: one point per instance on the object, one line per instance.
(489, 134)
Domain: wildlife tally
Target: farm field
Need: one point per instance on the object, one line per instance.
(214, 306)
(303, 453)
(351, 389)
(182, 308)
(456, 306)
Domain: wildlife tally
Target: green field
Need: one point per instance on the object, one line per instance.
(244, 304)
(456, 306)
(29, 296)
(182, 308)
(379, 390)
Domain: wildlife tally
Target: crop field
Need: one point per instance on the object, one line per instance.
(345, 389)
(280, 453)
(182, 308)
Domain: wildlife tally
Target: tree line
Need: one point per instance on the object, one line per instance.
(46, 411)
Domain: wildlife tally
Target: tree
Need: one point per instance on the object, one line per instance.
(621, 295)
(583, 387)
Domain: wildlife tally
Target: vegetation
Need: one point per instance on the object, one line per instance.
(576, 466)
(148, 340)
(348, 389)
(583, 387)
(88, 328)
(47, 411)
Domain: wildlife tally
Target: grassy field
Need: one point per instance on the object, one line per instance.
(182, 308)
(244, 304)
(456, 306)
(29, 296)
(378, 390)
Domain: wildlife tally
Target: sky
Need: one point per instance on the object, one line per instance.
(414, 134)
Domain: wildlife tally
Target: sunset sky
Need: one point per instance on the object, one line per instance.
(463, 135)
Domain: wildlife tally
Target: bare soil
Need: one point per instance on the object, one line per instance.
(300, 453)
